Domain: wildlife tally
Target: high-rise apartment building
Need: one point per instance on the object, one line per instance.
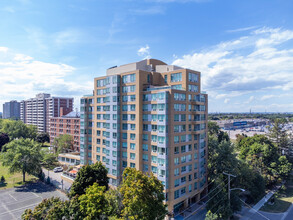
(11, 110)
(38, 111)
(151, 116)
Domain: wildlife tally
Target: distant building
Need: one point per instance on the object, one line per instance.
(38, 111)
(11, 110)
(0, 114)
(66, 124)
(242, 124)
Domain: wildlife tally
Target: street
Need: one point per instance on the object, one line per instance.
(56, 180)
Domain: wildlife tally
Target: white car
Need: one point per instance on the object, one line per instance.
(58, 169)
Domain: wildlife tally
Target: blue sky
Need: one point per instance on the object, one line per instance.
(244, 49)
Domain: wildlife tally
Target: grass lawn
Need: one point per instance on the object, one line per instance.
(12, 180)
(283, 199)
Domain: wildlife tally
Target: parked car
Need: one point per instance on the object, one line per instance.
(58, 169)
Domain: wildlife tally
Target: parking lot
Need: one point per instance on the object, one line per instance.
(14, 201)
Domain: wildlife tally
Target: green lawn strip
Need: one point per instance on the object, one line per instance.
(12, 180)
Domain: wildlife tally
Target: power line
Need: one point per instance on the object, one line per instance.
(200, 199)
(206, 202)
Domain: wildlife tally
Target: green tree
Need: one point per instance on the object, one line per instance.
(63, 144)
(53, 208)
(4, 139)
(93, 204)
(43, 138)
(211, 216)
(17, 129)
(115, 206)
(23, 155)
(87, 176)
(143, 196)
(279, 136)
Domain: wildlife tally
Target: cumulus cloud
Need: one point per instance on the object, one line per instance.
(22, 77)
(144, 52)
(259, 62)
(250, 63)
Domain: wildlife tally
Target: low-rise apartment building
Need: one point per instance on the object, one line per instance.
(66, 124)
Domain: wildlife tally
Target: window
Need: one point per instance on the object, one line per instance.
(145, 147)
(132, 156)
(176, 77)
(132, 165)
(145, 157)
(176, 150)
(124, 154)
(176, 172)
(154, 159)
(154, 148)
(166, 78)
(132, 146)
(176, 194)
(145, 137)
(145, 167)
(183, 190)
(132, 136)
(154, 169)
(176, 182)
(176, 161)
(192, 77)
(183, 149)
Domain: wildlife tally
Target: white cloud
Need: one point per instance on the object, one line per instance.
(240, 65)
(148, 11)
(259, 62)
(144, 52)
(242, 29)
(226, 101)
(4, 49)
(22, 77)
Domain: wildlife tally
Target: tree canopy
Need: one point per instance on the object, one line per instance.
(43, 138)
(23, 155)
(4, 139)
(142, 196)
(87, 176)
(17, 129)
(63, 143)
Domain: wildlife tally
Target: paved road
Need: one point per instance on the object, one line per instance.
(14, 201)
(56, 179)
(289, 214)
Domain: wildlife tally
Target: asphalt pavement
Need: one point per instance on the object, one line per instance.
(56, 180)
(13, 202)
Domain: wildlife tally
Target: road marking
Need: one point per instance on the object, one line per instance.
(14, 210)
(12, 197)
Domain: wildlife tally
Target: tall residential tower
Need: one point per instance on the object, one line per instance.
(11, 110)
(151, 116)
(38, 111)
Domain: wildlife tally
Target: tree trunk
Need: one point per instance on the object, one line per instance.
(23, 176)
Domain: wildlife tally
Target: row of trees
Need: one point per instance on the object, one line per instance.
(257, 164)
(139, 196)
(229, 116)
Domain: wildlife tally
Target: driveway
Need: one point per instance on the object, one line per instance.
(13, 202)
(56, 180)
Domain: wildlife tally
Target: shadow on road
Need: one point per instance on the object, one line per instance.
(36, 187)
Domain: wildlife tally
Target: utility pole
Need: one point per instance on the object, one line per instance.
(228, 174)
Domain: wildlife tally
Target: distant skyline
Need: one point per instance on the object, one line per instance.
(243, 49)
